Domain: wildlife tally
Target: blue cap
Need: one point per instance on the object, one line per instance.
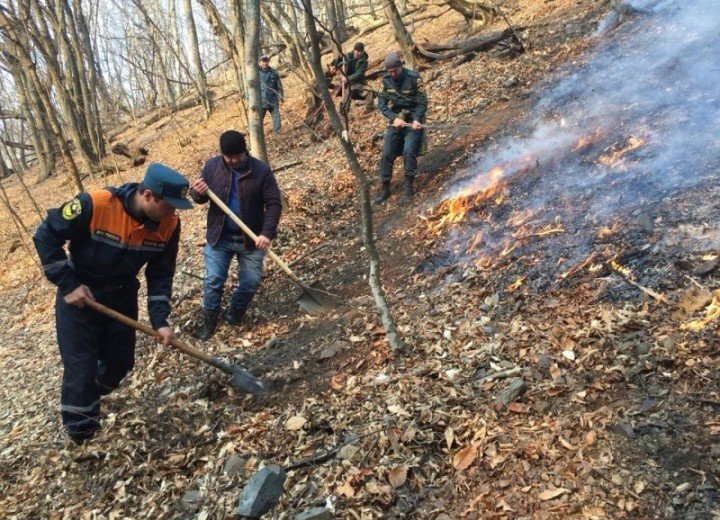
(167, 183)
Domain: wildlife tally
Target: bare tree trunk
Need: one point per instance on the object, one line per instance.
(19, 225)
(50, 52)
(252, 74)
(402, 36)
(88, 82)
(227, 42)
(29, 195)
(340, 16)
(7, 27)
(27, 112)
(196, 60)
(375, 282)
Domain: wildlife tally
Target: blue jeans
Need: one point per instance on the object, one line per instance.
(217, 265)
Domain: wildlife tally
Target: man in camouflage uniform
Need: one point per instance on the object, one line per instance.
(404, 103)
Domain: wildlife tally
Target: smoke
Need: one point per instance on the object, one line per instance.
(648, 102)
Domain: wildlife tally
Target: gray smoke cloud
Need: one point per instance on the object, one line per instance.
(650, 83)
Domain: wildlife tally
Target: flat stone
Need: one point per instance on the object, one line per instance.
(348, 452)
(315, 513)
(191, 499)
(235, 465)
(573, 29)
(262, 492)
(645, 222)
(331, 350)
(625, 429)
(706, 267)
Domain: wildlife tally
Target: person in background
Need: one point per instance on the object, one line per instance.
(404, 103)
(271, 93)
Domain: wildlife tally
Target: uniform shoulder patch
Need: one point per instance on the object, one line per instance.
(71, 210)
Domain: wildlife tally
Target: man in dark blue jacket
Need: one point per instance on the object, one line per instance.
(271, 93)
(404, 103)
(112, 234)
(248, 187)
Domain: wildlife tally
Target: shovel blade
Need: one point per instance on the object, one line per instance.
(247, 382)
(315, 298)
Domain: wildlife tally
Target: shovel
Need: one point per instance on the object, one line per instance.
(241, 378)
(314, 297)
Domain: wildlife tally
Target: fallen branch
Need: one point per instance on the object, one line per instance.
(517, 37)
(478, 45)
(286, 166)
(499, 375)
(659, 297)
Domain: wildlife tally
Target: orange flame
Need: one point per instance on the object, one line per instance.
(587, 140)
(516, 284)
(455, 210)
(616, 158)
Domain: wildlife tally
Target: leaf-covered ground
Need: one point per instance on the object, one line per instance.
(618, 415)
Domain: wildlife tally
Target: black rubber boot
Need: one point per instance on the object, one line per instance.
(210, 321)
(408, 191)
(383, 195)
(234, 315)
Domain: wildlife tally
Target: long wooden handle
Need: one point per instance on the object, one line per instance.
(252, 235)
(180, 345)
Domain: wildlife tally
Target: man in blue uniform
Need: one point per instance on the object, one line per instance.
(404, 103)
(111, 234)
(248, 187)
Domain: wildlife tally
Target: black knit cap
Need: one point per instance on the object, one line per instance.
(359, 46)
(232, 142)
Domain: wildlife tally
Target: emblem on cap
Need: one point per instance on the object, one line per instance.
(184, 192)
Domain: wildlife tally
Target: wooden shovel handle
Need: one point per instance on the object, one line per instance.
(252, 235)
(178, 344)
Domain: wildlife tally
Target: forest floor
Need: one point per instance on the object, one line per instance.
(619, 414)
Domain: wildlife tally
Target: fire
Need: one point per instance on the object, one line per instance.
(712, 312)
(616, 158)
(476, 240)
(455, 210)
(587, 140)
(519, 218)
(709, 256)
(626, 272)
(516, 284)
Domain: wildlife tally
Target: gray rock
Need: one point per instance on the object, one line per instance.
(625, 429)
(642, 349)
(510, 82)
(331, 350)
(573, 29)
(645, 222)
(235, 465)
(315, 513)
(515, 388)
(191, 499)
(262, 492)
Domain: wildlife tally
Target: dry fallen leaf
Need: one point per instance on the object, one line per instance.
(295, 423)
(449, 436)
(591, 437)
(397, 476)
(465, 457)
(549, 494)
(345, 490)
